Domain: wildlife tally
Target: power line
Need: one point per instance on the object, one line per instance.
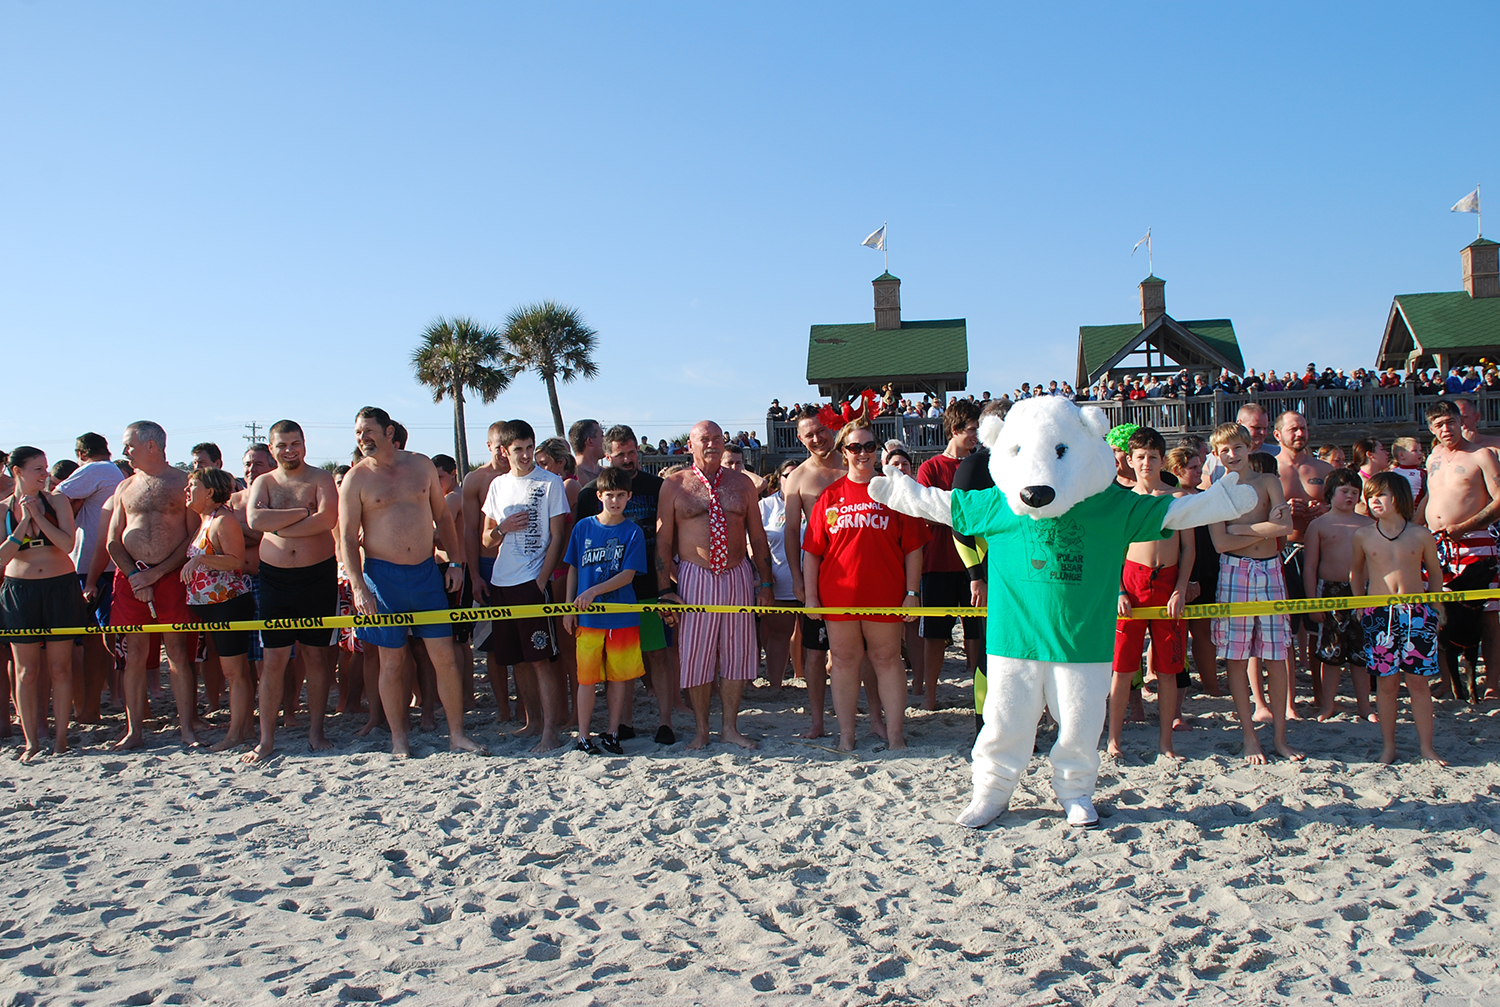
(253, 437)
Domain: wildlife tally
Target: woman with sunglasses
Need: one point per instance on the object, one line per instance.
(861, 554)
(40, 592)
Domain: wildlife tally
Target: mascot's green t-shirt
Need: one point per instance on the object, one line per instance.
(1055, 582)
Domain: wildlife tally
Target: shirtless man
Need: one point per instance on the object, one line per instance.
(801, 488)
(586, 439)
(734, 461)
(394, 498)
(481, 563)
(1463, 501)
(705, 515)
(149, 530)
(1302, 476)
(294, 508)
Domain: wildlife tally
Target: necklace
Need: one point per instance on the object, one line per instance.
(1392, 538)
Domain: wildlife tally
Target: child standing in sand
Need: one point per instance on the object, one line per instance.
(1330, 547)
(1250, 570)
(1400, 639)
(1156, 573)
(604, 555)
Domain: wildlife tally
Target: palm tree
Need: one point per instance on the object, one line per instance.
(459, 353)
(553, 341)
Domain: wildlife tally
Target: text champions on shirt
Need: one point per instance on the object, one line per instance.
(865, 514)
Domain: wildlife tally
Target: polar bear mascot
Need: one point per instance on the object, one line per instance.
(1058, 526)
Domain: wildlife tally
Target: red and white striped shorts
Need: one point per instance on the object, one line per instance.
(722, 642)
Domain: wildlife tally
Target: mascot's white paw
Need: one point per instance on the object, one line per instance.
(983, 809)
(1081, 813)
(1245, 498)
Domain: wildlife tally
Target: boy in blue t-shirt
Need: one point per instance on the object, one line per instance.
(604, 555)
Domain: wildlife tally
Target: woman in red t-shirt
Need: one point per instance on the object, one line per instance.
(862, 554)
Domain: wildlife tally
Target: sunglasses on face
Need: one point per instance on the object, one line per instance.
(860, 447)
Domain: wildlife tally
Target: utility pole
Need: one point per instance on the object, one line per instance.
(253, 437)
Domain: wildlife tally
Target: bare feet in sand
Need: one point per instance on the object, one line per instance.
(1254, 754)
(1262, 715)
(1135, 713)
(814, 732)
(1327, 713)
(699, 742)
(846, 744)
(1388, 754)
(30, 754)
(229, 741)
(257, 755)
(317, 742)
(1114, 751)
(1167, 753)
(531, 731)
(546, 743)
(133, 740)
(370, 725)
(878, 729)
(466, 744)
(736, 738)
(1288, 752)
(1182, 724)
(1429, 755)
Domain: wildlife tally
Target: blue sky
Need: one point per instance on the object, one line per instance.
(220, 213)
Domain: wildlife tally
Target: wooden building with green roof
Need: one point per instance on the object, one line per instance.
(1454, 328)
(1158, 344)
(930, 357)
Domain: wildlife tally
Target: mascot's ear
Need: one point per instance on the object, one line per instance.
(989, 430)
(1095, 420)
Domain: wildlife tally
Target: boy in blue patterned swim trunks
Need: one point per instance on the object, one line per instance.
(1400, 639)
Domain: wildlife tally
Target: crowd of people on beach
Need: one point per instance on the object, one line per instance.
(578, 521)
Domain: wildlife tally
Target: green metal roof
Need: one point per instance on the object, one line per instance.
(1481, 241)
(886, 276)
(1101, 342)
(1153, 278)
(843, 352)
(1451, 320)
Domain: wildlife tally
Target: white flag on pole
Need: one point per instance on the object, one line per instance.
(1143, 241)
(876, 240)
(1469, 204)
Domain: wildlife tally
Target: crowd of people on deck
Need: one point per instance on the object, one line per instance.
(1458, 380)
(127, 542)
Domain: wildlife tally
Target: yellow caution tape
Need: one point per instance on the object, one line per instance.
(459, 616)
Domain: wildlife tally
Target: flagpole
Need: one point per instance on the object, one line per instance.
(1479, 211)
(885, 242)
(1150, 258)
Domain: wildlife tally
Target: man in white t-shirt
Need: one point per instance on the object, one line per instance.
(525, 514)
(89, 489)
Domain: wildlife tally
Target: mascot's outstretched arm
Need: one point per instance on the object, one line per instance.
(903, 493)
(1224, 501)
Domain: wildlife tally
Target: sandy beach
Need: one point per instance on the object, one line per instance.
(789, 875)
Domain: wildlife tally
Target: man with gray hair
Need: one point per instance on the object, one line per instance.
(586, 438)
(149, 531)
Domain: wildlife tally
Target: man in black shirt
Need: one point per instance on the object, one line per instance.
(622, 452)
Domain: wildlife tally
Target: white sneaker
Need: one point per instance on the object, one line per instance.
(1081, 813)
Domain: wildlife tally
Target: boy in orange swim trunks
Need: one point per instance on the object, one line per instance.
(604, 555)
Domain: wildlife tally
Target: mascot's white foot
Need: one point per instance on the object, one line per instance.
(983, 809)
(1081, 813)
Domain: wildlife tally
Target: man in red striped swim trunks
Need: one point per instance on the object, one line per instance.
(705, 517)
(1463, 501)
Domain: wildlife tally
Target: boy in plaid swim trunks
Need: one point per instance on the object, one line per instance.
(1250, 570)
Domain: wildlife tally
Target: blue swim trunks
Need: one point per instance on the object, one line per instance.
(399, 587)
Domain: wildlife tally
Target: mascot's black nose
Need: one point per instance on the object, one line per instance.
(1037, 496)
